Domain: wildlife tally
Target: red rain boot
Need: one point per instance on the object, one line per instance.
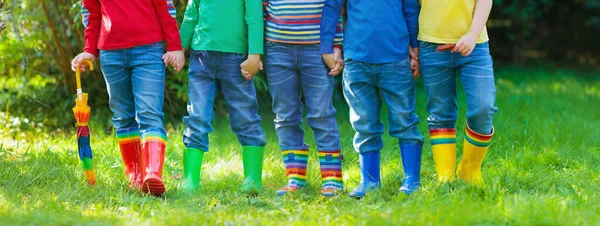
(129, 144)
(130, 152)
(153, 158)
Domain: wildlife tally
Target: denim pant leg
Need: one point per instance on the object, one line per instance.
(317, 86)
(202, 90)
(240, 95)
(284, 87)
(118, 84)
(362, 95)
(148, 80)
(439, 76)
(398, 91)
(477, 76)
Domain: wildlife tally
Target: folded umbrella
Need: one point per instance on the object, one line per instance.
(82, 115)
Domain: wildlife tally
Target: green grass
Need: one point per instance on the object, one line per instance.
(543, 168)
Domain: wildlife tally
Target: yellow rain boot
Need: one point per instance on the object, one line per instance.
(443, 146)
(474, 149)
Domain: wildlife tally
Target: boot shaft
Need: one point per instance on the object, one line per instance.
(443, 147)
(331, 172)
(295, 162)
(153, 157)
(192, 167)
(252, 158)
(475, 147)
(370, 166)
(331, 167)
(411, 160)
(153, 151)
(130, 147)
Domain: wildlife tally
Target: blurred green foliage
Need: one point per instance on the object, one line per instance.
(38, 38)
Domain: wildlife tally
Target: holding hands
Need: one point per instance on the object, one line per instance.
(251, 66)
(334, 62)
(414, 61)
(174, 58)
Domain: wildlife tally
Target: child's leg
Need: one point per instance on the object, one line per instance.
(317, 87)
(148, 79)
(202, 90)
(362, 95)
(119, 87)
(477, 76)
(240, 95)
(242, 105)
(439, 76)
(398, 91)
(287, 105)
(285, 90)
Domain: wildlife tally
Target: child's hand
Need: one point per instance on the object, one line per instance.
(329, 60)
(466, 44)
(413, 52)
(174, 58)
(414, 61)
(415, 67)
(334, 62)
(77, 61)
(251, 66)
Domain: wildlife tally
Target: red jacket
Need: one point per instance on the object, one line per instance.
(121, 24)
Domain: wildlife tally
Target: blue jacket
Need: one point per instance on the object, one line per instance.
(377, 31)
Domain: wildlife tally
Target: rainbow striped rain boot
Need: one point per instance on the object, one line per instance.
(295, 162)
(331, 172)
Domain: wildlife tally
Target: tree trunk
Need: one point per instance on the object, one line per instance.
(62, 62)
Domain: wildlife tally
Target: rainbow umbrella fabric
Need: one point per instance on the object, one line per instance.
(82, 115)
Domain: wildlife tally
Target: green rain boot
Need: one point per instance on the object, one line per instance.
(252, 156)
(192, 166)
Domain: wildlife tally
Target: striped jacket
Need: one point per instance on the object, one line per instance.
(296, 22)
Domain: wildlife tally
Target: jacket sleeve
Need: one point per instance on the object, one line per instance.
(85, 15)
(265, 5)
(91, 14)
(329, 23)
(190, 21)
(338, 40)
(411, 10)
(165, 10)
(256, 26)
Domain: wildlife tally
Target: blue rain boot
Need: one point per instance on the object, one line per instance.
(369, 174)
(411, 160)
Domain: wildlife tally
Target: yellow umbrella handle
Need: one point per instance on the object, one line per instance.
(78, 77)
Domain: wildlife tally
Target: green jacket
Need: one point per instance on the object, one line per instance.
(233, 26)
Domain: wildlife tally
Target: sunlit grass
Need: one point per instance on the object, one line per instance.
(542, 168)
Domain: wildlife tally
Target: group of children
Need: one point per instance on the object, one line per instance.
(385, 45)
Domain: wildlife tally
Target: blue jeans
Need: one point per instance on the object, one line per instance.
(294, 71)
(210, 71)
(135, 79)
(365, 85)
(439, 70)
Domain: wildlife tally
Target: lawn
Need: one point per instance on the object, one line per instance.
(543, 168)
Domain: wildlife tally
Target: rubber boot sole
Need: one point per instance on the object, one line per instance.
(154, 186)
